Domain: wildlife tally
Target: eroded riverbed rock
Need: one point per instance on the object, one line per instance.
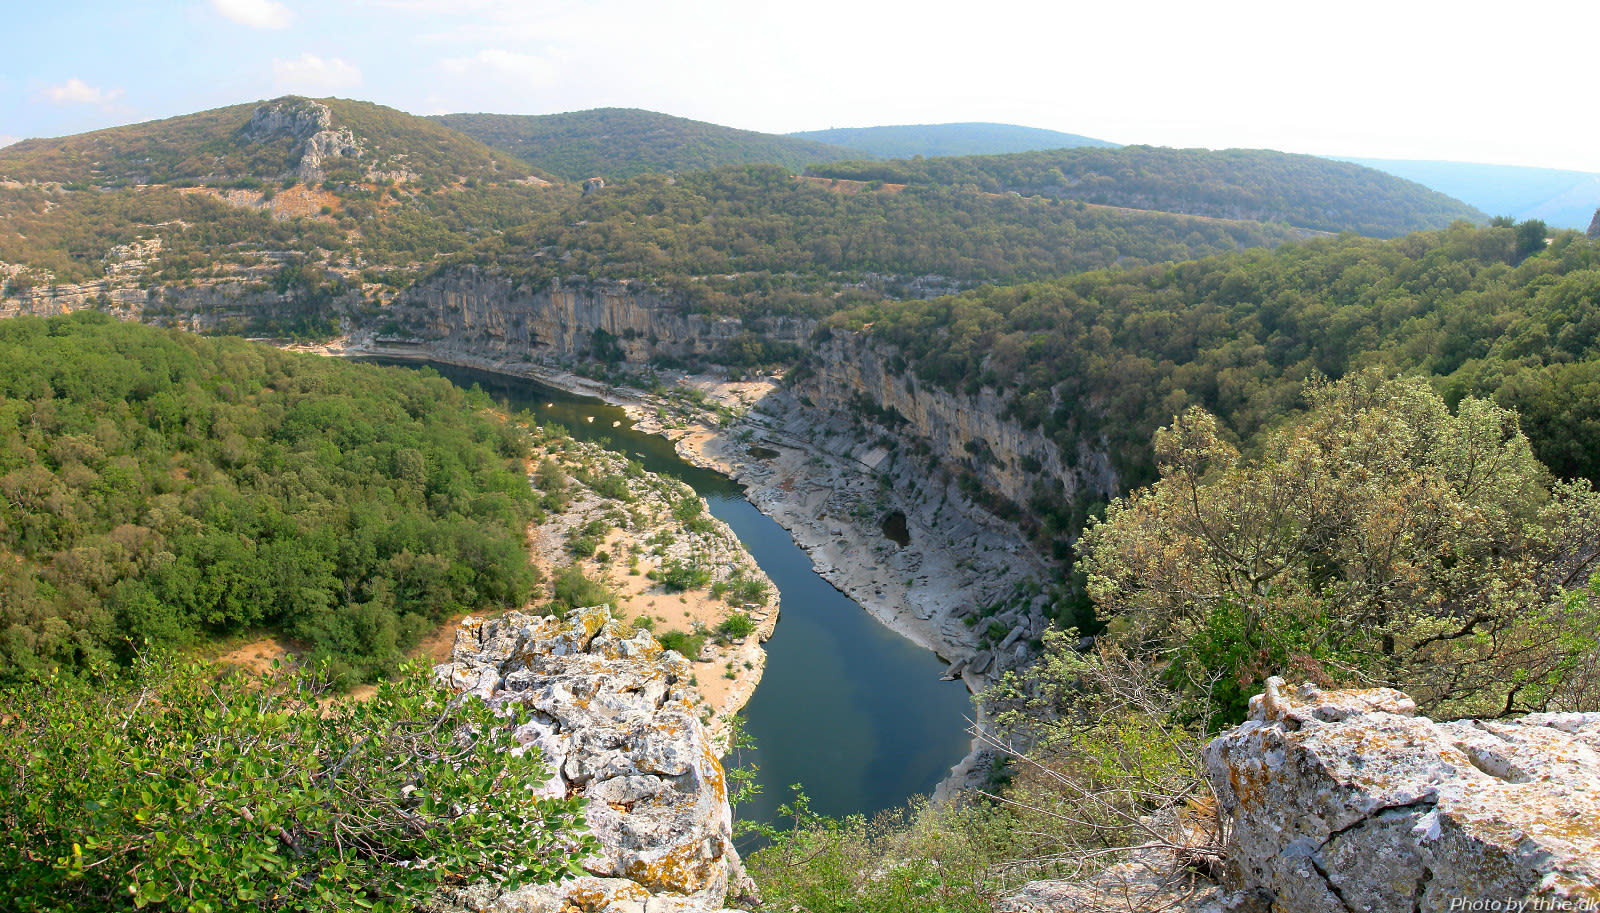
(616, 722)
(1348, 801)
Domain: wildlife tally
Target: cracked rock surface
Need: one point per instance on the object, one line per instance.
(1348, 801)
(614, 717)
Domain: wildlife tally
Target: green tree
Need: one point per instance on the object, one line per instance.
(180, 786)
(1379, 539)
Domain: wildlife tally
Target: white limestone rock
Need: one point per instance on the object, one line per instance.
(614, 726)
(1339, 801)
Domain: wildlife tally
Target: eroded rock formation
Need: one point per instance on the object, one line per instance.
(310, 123)
(487, 314)
(1348, 801)
(615, 720)
(972, 430)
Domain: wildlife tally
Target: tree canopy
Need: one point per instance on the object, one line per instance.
(1379, 538)
(179, 786)
(160, 486)
(1302, 190)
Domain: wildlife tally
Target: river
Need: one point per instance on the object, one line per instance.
(849, 710)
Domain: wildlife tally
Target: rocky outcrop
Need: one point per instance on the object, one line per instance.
(473, 310)
(1594, 226)
(311, 124)
(1348, 801)
(614, 719)
(970, 430)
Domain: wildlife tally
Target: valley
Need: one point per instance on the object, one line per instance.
(994, 495)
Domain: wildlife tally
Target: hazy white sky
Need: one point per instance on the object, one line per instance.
(1502, 83)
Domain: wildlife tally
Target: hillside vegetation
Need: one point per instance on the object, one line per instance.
(624, 142)
(909, 141)
(754, 239)
(1563, 199)
(1114, 355)
(165, 488)
(745, 239)
(215, 148)
(1302, 190)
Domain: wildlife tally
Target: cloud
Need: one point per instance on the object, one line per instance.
(500, 64)
(77, 92)
(312, 75)
(258, 14)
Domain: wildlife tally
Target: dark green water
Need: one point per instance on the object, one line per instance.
(848, 709)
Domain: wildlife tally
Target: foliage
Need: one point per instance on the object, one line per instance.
(917, 860)
(1302, 190)
(211, 148)
(677, 576)
(625, 142)
(574, 590)
(688, 643)
(178, 786)
(160, 486)
(73, 234)
(736, 625)
(1110, 356)
(1378, 538)
(756, 240)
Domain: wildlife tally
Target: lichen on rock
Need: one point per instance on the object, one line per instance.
(1339, 801)
(614, 718)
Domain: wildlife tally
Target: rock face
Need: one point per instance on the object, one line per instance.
(615, 721)
(1594, 226)
(475, 311)
(960, 428)
(309, 122)
(1348, 801)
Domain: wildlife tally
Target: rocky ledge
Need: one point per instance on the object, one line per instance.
(1345, 801)
(616, 722)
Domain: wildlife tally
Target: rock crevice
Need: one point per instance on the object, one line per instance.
(612, 714)
(1347, 800)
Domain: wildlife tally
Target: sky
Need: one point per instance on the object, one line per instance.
(1461, 81)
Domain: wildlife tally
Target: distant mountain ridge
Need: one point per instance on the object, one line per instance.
(910, 140)
(1254, 184)
(627, 142)
(1563, 199)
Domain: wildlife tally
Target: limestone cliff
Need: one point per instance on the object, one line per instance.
(964, 430)
(614, 719)
(478, 311)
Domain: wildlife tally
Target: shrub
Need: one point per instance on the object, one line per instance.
(736, 625)
(574, 590)
(183, 786)
(685, 642)
(678, 576)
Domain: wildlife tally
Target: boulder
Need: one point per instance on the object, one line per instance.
(614, 719)
(1344, 801)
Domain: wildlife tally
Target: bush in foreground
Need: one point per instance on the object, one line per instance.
(182, 786)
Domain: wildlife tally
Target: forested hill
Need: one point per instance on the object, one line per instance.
(1302, 190)
(1563, 199)
(755, 239)
(623, 142)
(911, 140)
(164, 488)
(1487, 311)
(263, 142)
